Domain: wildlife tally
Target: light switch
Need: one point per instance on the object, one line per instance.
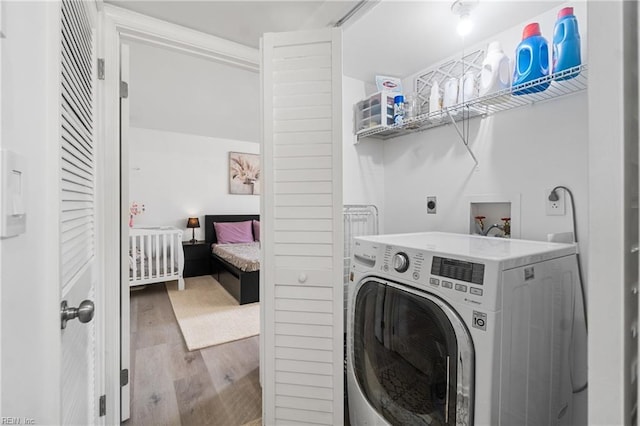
(13, 211)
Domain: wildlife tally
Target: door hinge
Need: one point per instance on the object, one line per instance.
(103, 405)
(100, 68)
(124, 89)
(124, 377)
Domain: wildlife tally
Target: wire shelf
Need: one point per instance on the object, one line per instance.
(490, 104)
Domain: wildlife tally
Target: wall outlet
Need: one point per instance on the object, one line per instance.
(555, 208)
(431, 205)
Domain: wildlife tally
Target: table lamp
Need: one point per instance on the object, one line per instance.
(193, 223)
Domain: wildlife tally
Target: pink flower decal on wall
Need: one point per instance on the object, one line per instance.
(134, 210)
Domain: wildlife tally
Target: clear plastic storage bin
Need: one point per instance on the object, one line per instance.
(375, 111)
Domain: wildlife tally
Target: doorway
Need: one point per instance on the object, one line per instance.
(155, 334)
(178, 168)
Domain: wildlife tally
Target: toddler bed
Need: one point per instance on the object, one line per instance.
(155, 256)
(235, 258)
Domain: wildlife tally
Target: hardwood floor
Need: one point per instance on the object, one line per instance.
(218, 385)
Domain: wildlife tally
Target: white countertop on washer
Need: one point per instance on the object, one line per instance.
(475, 246)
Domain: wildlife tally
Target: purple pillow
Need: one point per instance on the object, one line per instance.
(233, 232)
(256, 230)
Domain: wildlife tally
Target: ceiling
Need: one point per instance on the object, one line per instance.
(388, 37)
(243, 21)
(399, 38)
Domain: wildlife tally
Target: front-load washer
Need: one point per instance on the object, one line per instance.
(451, 329)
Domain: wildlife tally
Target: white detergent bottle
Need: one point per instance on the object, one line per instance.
(467, 88)
(495, 75)
(450, 97)
(434, 98)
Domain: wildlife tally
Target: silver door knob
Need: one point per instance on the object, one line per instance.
(84, 312)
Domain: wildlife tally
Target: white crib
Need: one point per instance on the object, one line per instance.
(155, 255)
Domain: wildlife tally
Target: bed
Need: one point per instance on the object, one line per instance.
(238, 275)
(155, 256)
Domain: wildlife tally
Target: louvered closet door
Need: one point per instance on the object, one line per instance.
(302, 216)
(77, 209)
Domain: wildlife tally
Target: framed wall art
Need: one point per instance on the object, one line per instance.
(244, 173)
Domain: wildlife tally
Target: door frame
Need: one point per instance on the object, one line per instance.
(613, 309)
(121, 25)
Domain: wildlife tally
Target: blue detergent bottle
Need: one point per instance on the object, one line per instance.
(532, 60)
(566, 43)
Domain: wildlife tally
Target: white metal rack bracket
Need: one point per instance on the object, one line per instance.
(464, 140)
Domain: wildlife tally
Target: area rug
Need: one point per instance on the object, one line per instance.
(209, 316)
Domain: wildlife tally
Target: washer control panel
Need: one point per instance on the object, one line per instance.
(470, 272)
(454, 277)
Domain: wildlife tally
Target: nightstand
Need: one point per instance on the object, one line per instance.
(197, 259)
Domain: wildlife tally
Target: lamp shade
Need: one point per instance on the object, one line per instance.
(193, 222)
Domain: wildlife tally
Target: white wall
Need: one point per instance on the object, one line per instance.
(363, 163)
(182, 93)
(435, 162)
(523, 151)
(177, 175)
(30, 310)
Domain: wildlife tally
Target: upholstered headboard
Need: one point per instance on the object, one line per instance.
(209, 231)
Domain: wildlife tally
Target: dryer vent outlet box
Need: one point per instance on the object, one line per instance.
(431, 205)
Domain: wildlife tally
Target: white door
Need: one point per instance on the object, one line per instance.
(301, 271)
(125, 302)
(77, 215)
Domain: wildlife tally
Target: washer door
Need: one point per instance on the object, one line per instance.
(412, 355)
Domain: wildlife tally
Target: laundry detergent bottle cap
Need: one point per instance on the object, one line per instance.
(565, 11)
(532, 61)
(531, 30)
(566, 44)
